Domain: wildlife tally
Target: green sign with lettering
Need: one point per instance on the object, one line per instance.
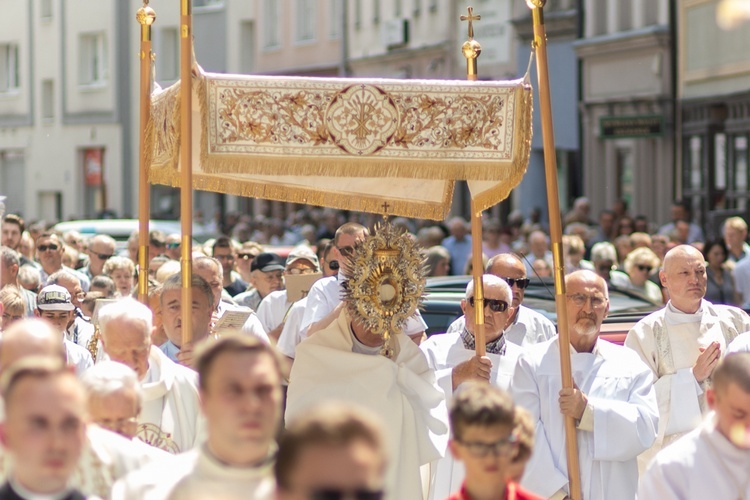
(615, 127)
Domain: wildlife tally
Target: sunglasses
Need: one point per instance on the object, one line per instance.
(500, 448)
(174, 245)
(519, 282)
(496, 305)
(44, 248)
(246, 256)
(104, 256)
(336, 494)
(644, 268)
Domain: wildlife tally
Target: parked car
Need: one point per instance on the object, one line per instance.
(442, 305)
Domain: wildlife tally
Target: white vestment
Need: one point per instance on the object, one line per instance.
(292, 333)
(326, 294)
(105, 458)
(402, 392)
(443, 353)
(700, 465)
(77, 357)
(272, 310)
(528, 328)
(619, 422)
(740, 344)
(197, 475)
(669, 342)
(170, 418)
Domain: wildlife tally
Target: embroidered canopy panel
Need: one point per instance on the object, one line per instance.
(348, 143)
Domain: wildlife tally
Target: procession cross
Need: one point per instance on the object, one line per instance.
(471, 18)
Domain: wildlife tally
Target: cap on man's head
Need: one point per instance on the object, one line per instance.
(54, 298)
(267, 262)
(303, 252)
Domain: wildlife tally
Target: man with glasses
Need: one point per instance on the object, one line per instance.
(266, 276)
(224, 252)
(101, 248)
(49, 251)
(453, 357)
(169, 418)
(613, 402)
(525, 326)
(682, 343)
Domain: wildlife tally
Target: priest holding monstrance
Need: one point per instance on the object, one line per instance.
(364, 357)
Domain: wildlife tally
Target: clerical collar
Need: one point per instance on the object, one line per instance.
(497, 346)
(676, 317)
(30, 495)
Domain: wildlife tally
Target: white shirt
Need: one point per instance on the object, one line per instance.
(78, 357)
(272, 310)
(292, 333)
(700, 465)
(326, 294)
(622, 418)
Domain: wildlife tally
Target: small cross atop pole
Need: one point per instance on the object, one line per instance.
(471, 18)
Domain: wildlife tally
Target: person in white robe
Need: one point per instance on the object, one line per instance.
(682, 343)
(240, 389)
(106, 456)
(526, 326)
(713, 460)
(613, 402)
(275, 307)
(453, 357)
(326, 293)
(170, 417)
(342, 362)
(292, 333)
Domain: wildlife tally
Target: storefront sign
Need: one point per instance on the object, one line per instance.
(615, 127)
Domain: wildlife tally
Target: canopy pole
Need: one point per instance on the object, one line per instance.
(555, 223)
(145, 17)
(186, 165)
(471, 50)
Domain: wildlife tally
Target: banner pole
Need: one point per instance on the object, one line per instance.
(145, 17)
(555, 223)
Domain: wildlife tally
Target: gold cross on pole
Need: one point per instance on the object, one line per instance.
(471, 18)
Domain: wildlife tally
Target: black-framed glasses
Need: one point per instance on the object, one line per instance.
(496, 305)
(337, 494)
(52, 247)
(580, 299)
(644, 268)
(519, 282)
(500, 448)
(104, 256)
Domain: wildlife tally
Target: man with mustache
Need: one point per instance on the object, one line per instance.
(682, 343)
(613, 403)
(719, 448)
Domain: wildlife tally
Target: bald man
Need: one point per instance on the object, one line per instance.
(613, 402)
(106, 456)
(682, 343)
(525, 326)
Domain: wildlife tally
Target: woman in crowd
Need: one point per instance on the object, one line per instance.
(639, 265)
(720, 287)
(122, 272)
(438, 261)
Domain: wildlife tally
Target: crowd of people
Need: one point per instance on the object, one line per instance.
(282, 393)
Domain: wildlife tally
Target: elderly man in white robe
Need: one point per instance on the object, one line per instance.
(170, 416)
(526, 326)
(453, 357)
(106, 456)
(613, 402)
(682, 343)
(240, 389)
(713, 460)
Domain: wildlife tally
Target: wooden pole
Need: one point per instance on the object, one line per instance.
(555, 223)
(186, 165)
(145, 17)
(471, 49)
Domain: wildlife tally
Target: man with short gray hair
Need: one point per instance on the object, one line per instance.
(11, 264)
(101, 248)
(169, 419)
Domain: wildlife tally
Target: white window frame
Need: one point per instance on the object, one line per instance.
(305, 21)
(10, 68)
(93, 60)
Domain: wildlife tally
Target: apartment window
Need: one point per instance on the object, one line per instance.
(417, 7)
(92, 68)
(335, 18)
(357, 14)
(271, 27)
(45, 10)
(305, 21)
(9, 68)
(650, 13)
(600, 18)
(375, 11)
(168, 56)
(48, 100)
(247, 47)
(399, 8)
(433, 5)
(625, 15)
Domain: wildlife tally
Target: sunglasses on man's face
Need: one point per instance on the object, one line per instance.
(519, 282)
(496, 305)
(104, 256)
(336, 494)
(52, 247)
